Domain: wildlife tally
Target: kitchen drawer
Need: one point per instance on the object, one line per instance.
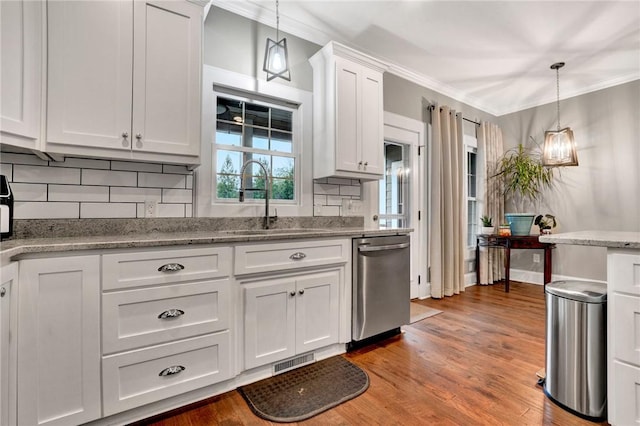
(258, 258)
(623, 272)
(623, 397)
(624, 314)
(132, 379)
(166, 266)
(149, 316)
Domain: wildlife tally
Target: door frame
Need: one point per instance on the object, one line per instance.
(407, 131)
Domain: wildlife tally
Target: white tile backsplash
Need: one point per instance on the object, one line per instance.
(90, 188)
(135, 195)
(328, 194)
(78, 193)
(107, 210)
(176, 196)
(46, 210)
(158, 180)
(29, 191)
(109, 177)
(136, 167)
(172, 168)
(44, 174)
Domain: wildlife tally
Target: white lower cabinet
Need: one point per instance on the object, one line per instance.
(59, 341)
(623, 332)
(8, 278)
(290, 315)
(166, 316)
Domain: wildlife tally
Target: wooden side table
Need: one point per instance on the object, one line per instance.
(514, 242)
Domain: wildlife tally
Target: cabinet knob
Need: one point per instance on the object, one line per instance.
(359, 164)
(366, 163)
(138, 136)
(293, 293)
(170, 371)
(301, 291)
(171, 313)
(171, 267)
(125, 135)
(3, 291)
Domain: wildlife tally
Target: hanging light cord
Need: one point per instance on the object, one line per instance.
(557, 91)
(278, 23)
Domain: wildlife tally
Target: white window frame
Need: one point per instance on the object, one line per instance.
(206, 205)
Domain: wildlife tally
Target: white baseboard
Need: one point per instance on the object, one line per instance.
(469, 279)
(538, 277)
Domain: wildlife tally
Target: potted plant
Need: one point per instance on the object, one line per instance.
(524, 178)
(487, 225)
(545, 223)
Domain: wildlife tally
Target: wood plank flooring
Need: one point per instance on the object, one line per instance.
(473, 364)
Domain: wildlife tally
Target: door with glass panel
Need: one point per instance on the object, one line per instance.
(394, 196)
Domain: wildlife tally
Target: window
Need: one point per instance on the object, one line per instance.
(473, 215)
(394, 187)
(255, 131)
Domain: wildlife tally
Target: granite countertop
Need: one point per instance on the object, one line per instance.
(610, 239)
(79, 234)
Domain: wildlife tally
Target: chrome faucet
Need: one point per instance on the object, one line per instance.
(267, 218)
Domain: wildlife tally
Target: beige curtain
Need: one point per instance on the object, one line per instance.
(446, 224)
(490, 146)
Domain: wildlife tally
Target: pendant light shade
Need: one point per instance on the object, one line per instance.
(276, 55)
(559, 145)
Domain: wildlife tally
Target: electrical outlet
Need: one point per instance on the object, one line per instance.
(536, 258)
(150, 208)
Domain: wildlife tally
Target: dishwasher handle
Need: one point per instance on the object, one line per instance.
(381, 248)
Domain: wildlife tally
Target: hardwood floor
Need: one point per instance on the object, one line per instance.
(473, 364)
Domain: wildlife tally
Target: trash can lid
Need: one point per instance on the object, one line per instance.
(581, 291)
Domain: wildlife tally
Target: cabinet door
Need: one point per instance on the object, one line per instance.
(269, 321)
(20, 71)
(347, 115)
(90, 51)
(372, 122)
(317, 310)
(167, 70)
(59, 341)
(8, 275)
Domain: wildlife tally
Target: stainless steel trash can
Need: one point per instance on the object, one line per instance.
(576, 354)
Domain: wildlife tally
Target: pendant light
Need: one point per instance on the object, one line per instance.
(276, 55)
(559, 145)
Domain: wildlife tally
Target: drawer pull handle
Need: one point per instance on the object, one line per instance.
(292, 293)
(297, 256)
(171, 313)
(170, 371)
(171, 267)
(3, 291)
(301, 291)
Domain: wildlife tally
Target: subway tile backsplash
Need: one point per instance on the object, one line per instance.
(92, 188)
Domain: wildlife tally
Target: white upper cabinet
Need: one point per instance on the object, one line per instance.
(21, 72)
(124, 79)
(348, 113)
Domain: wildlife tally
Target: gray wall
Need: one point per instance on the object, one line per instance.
(603, 192)
(237, 44)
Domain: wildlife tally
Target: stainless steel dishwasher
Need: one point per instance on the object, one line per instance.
(381, 289)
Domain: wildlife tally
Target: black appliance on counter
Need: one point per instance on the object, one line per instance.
(6, 208)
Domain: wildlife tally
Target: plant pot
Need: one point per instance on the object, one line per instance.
(486, 230)
(520, 223)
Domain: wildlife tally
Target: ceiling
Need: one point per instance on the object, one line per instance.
(494, 56)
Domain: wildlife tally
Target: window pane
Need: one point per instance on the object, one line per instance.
(256, 138)
(282, 167)
(281, 142)
(256, 115)
(283, 189)
(253, 169)
(227, 186)
(229, 110)
(281, 120)
(472, 186)
(228, 134)
(228, 162)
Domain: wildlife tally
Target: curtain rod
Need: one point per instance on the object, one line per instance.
(464, 118)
